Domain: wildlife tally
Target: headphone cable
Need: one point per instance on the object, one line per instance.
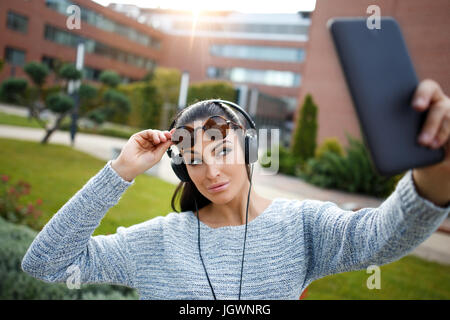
(245, 238)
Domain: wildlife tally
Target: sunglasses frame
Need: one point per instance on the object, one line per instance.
(228, 122)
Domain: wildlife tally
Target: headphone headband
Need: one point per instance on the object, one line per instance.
(236, 106)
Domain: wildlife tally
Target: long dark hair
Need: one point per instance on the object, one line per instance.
(186, 191)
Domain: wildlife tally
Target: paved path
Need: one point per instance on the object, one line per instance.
(436, 248)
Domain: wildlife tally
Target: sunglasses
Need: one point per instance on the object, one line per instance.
(214, 126)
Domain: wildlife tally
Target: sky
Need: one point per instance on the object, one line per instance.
(248, 6)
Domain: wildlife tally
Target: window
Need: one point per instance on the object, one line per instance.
(69, 39)
(15, 57)
(268, 53)
(104, 23)
(17, 22)
(264, 77)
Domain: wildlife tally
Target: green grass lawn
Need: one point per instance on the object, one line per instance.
(57, 172)
(408, 278)
(15, 120)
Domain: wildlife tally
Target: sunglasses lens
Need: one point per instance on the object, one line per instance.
(216, 128)
(183, 135)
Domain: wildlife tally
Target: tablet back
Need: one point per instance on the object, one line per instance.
(382, 81)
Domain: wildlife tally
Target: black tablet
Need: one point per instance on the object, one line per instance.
(382, 81)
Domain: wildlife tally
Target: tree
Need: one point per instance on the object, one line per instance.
(114, 102)
(304, 143)
(61, 104)
(110, 78)
(38, 73)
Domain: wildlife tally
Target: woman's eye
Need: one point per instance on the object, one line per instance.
(225, 151)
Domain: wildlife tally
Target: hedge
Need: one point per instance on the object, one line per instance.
(16, 284)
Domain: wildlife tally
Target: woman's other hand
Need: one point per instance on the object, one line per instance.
(433, 182)
(141, 152)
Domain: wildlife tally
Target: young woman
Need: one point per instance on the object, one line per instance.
(289, 243)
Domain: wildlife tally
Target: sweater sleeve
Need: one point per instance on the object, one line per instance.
(338, 240)
(66, 248)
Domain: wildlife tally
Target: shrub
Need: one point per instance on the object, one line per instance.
(16, 284)
(116, 101)
(353, 172)
(288, 163)
(331, 145)
(12, 90)
(12, 209)
(304, 143)
(146, 105)
(210, 90)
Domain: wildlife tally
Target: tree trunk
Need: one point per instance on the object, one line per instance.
(55, 127)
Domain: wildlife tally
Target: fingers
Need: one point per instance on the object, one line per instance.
(155, 137)
(427, 92)
(444, 132)
(432, 125)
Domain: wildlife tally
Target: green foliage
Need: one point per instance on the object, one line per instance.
(353, 172)
(115, 102)
(331, 145)
(37, 71)
(49, 90)
(146, 105)
(59, 102)
(2, 64)
(69, 71)
(167, 84)
(16, 284)
(304, 144)
(110, 78)
(210, 90)
(97, 115)
(12, 90)
(288, 163)
(87, 92)
(148, 76)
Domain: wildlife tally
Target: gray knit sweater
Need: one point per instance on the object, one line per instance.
(288, 246)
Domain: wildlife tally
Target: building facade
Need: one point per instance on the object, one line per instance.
(263, 55)
(37, 31)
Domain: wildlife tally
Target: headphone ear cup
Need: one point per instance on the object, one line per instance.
(180, 171)
(251, 149)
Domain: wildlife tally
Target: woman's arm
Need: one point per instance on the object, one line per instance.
(338, 240)
(66, 240)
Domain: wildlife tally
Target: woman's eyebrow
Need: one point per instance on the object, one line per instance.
(219, 144)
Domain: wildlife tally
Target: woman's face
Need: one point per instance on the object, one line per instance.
(211, 162)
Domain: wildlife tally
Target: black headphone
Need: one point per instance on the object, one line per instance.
(250, 143)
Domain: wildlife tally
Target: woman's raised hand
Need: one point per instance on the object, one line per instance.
(141, 152)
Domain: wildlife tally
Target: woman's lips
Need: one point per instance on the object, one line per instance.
(219, 188)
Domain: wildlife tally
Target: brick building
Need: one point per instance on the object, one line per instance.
(36, 31)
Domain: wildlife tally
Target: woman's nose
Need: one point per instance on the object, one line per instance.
(212, 170)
